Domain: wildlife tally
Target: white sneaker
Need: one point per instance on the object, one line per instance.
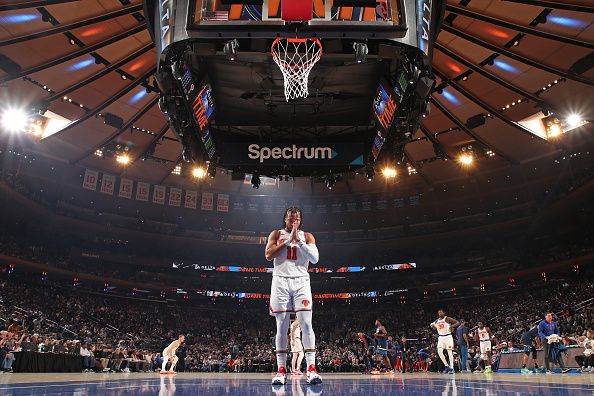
(313, 378)
(280, 377)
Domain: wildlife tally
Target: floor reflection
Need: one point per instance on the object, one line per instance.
(236, 385)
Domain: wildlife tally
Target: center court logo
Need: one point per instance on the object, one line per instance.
(292, 152)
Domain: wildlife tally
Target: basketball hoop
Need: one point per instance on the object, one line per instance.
(296, 57)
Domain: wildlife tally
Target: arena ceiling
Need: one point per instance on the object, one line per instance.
(497, 63)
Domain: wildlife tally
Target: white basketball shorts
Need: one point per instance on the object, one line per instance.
(445, 342)
(290, 295)
(485, 346)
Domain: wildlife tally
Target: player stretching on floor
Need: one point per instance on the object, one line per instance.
(444, 326)
(292, 250)
(484, 335)
(296, 348)
(169, 354)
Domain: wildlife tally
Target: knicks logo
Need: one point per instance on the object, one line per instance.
(305, 303)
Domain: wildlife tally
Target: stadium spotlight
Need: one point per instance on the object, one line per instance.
(256, 181)
(14, 119)
(330, 181)
(574, 120)
(123, 159)
(211, 170)
(369, 173)
(389, 172)
(230, 49)
(361, 51)
(465, 159)
(198, 172)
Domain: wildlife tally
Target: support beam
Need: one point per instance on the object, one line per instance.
(123, 129)
(433, 139)
(32, 4)
(487, 74)
(73, 25)
(517, 57)
(493, 111)
(154, 140)
(111, 99)
(96, 76)
(73, 55)
(520, 28)
(469, 131)
(556, 6)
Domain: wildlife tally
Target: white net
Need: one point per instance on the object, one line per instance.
(295, 58)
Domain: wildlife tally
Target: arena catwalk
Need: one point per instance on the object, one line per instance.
(259, 384)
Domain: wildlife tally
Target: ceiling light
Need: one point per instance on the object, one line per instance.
(123, 159)
(465, 159)
(574, 120)
(198, 172)
(554, 130)
(389, 172)
(14, 120)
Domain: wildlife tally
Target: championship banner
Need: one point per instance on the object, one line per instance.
(107, 184)
(175, 197)
(238, 205)
(207, 201)
(252, 205)
(366, 204)
(142, 191)
(190, 199)
(321, 207)
(90, 180)
(222, 202)
(267, 207)
(337, 207)
(382, 203)
(414, 200)
(351, 206)
(126, 186)
(159, 195)
(398, 202)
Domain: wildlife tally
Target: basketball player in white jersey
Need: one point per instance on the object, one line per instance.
(169, 355)
(444, 326)
(484, 335)
(292, 250)
(296, 348)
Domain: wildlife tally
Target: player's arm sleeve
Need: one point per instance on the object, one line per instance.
(310, 250)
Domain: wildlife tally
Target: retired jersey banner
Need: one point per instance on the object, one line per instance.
(207, 201)
(126, 188)
(175, 197)
(107, 184)
(190, 199)
(90, 180)
(222, 202)
(159, 195)
(142, 191)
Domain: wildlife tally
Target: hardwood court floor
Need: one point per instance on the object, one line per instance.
(259, 384)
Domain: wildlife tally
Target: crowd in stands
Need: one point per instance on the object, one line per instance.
(117, 334)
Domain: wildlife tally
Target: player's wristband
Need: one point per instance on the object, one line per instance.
(287, 242)
(300, 243)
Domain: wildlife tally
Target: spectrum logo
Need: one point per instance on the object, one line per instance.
(290, 153)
